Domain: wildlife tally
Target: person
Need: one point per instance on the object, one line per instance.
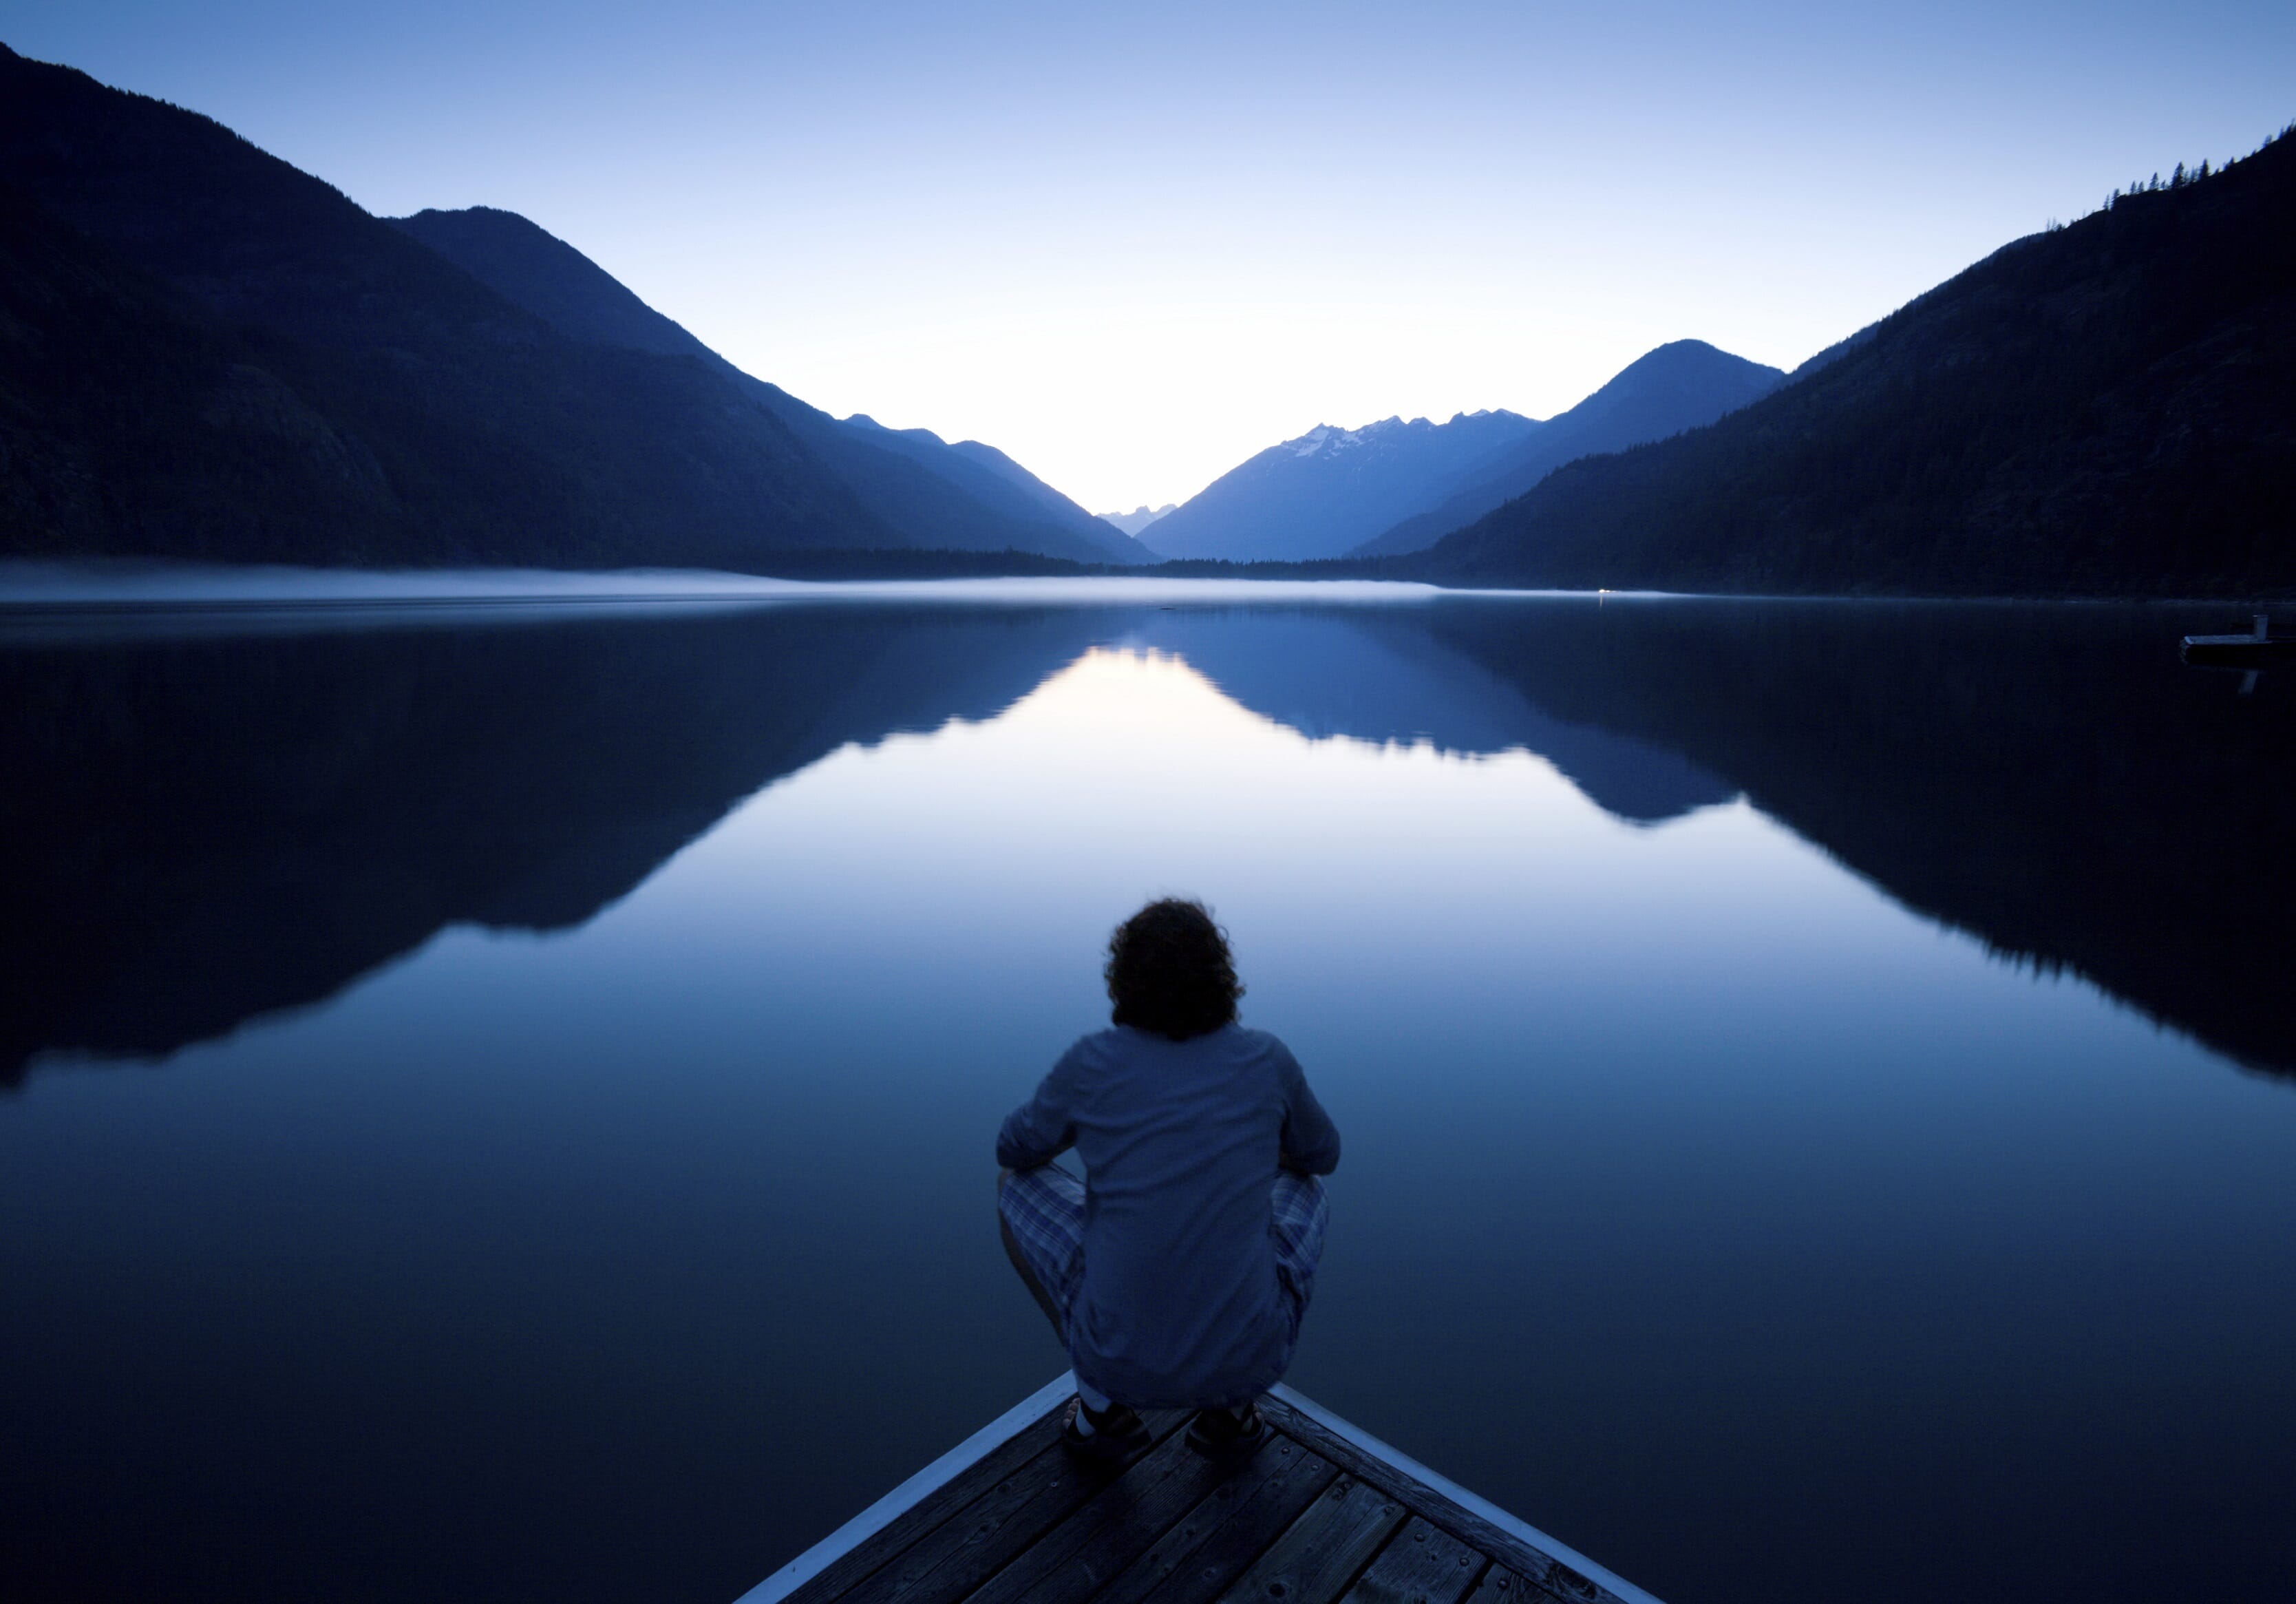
(1177, 1270)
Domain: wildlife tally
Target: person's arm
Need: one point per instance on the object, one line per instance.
(1043, 1128)
(1311, 1142)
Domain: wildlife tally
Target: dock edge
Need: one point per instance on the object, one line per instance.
(911, 1492)
(1450, 1491)
(1038, 1405)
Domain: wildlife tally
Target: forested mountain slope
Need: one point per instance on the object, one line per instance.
(209, 353)
(2106, 410)
(206, 353)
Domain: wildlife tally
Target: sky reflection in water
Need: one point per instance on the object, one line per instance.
(1756, 1235)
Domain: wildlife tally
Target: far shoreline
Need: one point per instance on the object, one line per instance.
(81, 585)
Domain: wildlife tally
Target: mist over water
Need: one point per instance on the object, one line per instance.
(74, 589)
(506, 1110)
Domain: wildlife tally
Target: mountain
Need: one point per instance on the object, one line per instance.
(206, 353)
(1125, 548)
(2107, 409)
(1140, 518)
(533, 268)
(1011, 494)
(1664, 392)
(969, 496)
(1330, 490)
(1392, 487)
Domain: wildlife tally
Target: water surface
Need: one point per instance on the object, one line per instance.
(502, 1099)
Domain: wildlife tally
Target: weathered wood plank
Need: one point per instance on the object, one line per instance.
(1502, 1586)
(1425, 1564)
(1502, 1546)
(1559, 1581)
(981, 1538)
(840, 1575)
(1229, 1529)
(1320, 1553)
(1120, 1523)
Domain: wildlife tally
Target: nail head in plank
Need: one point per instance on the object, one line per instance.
(1501, 1585)
(981, 1538)
(1481, 1525)
(892, 1524)
(1320, 1553)
(1068, 1563)
(1215, 1542)
(1424, 1564)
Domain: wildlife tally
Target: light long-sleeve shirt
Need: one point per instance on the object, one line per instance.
(1181, 1142)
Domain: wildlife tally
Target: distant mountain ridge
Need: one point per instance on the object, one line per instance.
(1393, 488)
(1678, 386)
(2106, 409)
(1322, 493)
(1139, 518)
(206, 353)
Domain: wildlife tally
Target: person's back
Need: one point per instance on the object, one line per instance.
(1179, 1274)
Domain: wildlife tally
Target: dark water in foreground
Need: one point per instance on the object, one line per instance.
(503, 1100)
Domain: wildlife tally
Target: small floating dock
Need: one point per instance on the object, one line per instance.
(1320, 1513)
(2250, 651)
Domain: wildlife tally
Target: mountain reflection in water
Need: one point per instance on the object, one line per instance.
(197, 828)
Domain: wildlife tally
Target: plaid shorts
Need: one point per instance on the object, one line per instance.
(1043, 1207)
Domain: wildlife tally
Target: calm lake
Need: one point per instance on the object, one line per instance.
(496, 1103)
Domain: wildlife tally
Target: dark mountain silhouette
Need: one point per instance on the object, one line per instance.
(206, 353)
(197, 828)
(130, 419)
(529, 267)
(305, 336)
(2107, 409)
(968, 497)
(1012, 499)
(1121, 546)
(1662, 393)
(1330, 490)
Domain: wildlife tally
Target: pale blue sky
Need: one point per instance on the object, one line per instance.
(1134, 245)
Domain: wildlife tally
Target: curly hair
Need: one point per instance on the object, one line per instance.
(1169, 971)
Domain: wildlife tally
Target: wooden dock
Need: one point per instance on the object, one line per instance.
(1319, 1513)
(2255, 650)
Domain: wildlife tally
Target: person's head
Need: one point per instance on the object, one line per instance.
(1169, 971)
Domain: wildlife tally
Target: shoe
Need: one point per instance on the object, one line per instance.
(1116, 1431)
(1227, 1432)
